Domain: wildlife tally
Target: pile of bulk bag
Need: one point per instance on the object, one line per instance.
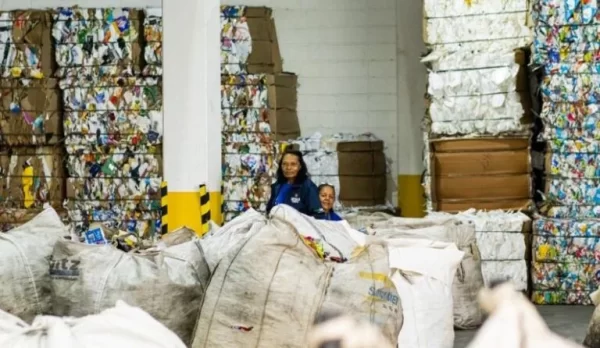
(423, 274)
(24, 254)
(468, 279)
(120, 327)
(270, 286)
(168, 284)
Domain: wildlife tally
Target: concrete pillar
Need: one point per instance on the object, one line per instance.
(192, 109)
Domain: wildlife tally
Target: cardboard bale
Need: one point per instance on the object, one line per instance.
(27, 43)
(31, 112)
(481, 173)
(362, 172)
(106, 41)
(31, 177)
(259, 103)
(265, 56)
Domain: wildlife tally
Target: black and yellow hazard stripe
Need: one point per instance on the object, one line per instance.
(164, 203)
(204, 208)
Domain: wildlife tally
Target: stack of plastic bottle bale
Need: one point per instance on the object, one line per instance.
(112, 122)
(566, 241)
(477, 125)
(31, 167)
(258, 104)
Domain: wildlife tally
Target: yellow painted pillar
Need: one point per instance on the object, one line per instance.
(192, 109)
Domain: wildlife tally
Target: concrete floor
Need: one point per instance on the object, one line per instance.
(567, 321)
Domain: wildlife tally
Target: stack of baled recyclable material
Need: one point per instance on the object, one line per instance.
(504, 241)
(354, 164)
(153, 31)
(566, 234)
(258, 103)
(112, 121)
(478, 90)
(31, 167)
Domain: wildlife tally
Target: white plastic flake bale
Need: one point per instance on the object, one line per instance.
(272, 285)
(120, 327)
(453, 8)
(501, 246)
(514, 322)
(474, 28)
(218, 242)
(469, 279)
(24, 254)
(515, 270)
(169, 285)
(499, 234)
(473, 82)
(423, 274)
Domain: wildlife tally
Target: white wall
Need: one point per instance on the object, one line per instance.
(357, 61)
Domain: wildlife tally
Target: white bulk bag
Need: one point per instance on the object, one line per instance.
(592, 337)
(217, 243)
(514, 322)
(169, 284)
(469, 277)
(361, 220)
(423, 271)
(24, 254)
(120, 327)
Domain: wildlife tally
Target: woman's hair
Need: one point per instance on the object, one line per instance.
(322, 186)
(302, 173)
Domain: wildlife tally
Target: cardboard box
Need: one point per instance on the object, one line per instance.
(31, 177)
(366, 190)
(31, 115)
(362, 163)
(482, 173)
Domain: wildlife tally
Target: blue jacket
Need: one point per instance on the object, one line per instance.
(303, 197)
(331, 216)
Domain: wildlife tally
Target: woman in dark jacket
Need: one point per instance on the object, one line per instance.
(293, 186)
(327, 198)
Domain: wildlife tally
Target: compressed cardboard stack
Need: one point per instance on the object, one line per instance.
(258, 103)
(31, 169)
(477, 127)
(566, 45)
(354, 164)
(113, 121)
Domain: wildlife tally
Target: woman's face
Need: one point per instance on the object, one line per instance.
(290, 165)
(327, 198)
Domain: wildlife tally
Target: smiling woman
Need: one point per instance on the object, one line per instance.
(327, 198)
(293, 186)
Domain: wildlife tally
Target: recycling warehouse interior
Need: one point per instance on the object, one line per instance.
(115, 111)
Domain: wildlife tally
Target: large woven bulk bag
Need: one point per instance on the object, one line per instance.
(268, 290)
(24, 254)
(120, 327)
(361, 220)
(168, 284)
(468, 279)
(363, 289)
(266, 293)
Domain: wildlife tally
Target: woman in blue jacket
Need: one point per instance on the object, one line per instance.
(293, 186)
(327, 198)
